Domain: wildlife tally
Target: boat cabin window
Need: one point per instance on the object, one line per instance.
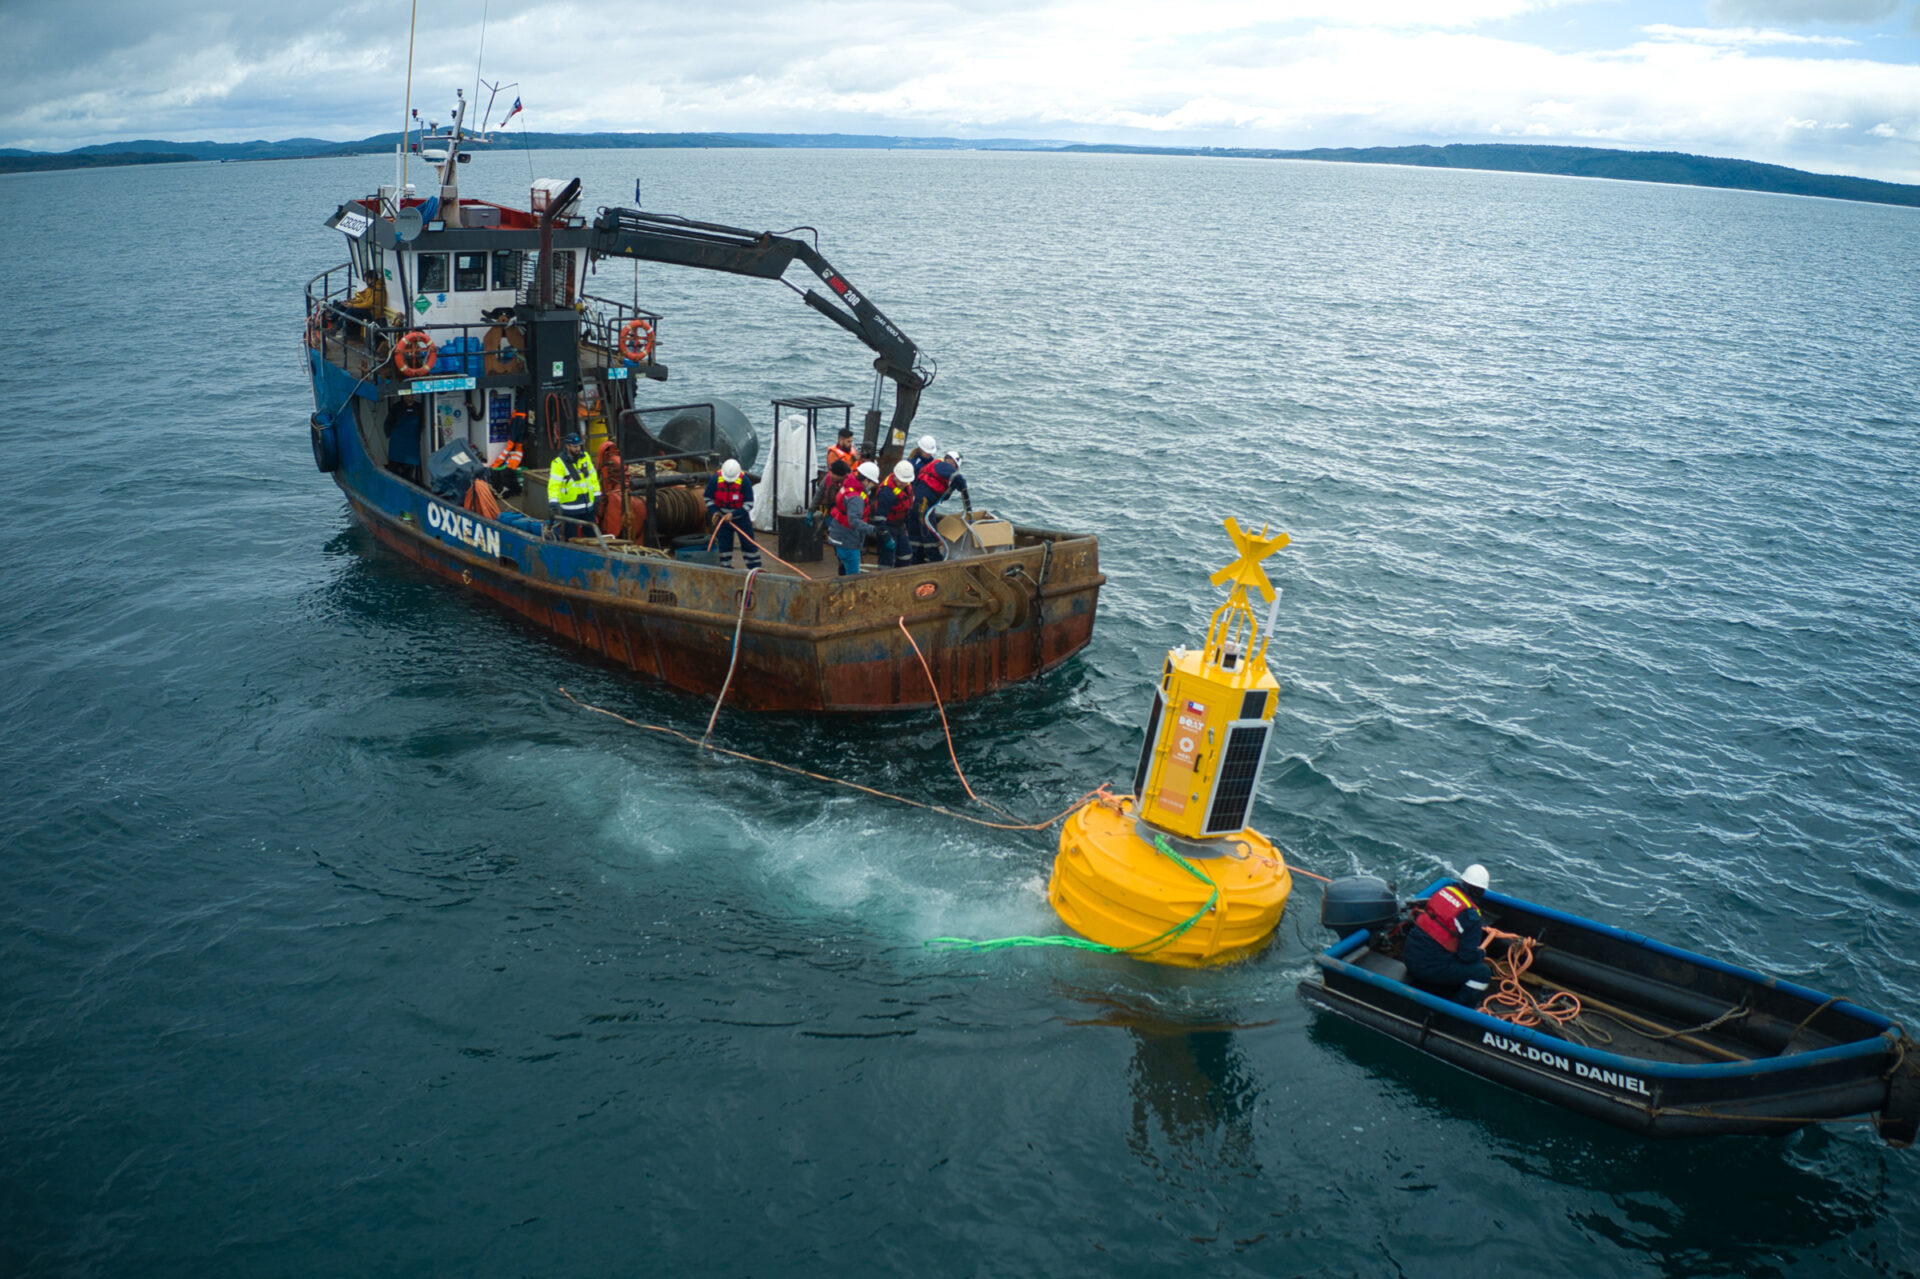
(469, 272)
(506, 268)
(432, 277)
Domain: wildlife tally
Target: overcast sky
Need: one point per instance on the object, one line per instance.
(1828, 85)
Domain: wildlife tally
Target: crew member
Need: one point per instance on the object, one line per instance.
(843, 450)
(729, 501)
(368, 304)
(892, 505)
(924, 452)
(1443, 952)
(573, 491)
(847, 527)
(830, 485)
(932, 481)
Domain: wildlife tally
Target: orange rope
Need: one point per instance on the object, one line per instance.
(764, 551)
(944, 727)
(1511, 1000)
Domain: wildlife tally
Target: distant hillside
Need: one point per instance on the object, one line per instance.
(307, 148)
(884, 142)
(1671, 167)
(262, 150)
(31, 161)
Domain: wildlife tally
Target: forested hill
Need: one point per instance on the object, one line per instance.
(1671, 167)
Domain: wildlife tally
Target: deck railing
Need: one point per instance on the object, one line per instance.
(492, 353)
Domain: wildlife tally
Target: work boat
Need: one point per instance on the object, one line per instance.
(1621, 1027)
(486, 314)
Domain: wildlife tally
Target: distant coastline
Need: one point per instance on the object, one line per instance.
(1669, 167)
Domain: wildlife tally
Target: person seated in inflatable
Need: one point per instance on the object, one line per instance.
(1443, 952)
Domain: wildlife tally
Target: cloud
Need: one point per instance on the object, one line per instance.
(1740, 36)
(1288, 73)
(1857, 11)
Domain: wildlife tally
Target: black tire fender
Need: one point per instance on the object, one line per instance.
(326, 444)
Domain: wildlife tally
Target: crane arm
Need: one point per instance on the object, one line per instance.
(656, 237)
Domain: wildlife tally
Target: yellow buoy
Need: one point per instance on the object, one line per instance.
(1172, 873)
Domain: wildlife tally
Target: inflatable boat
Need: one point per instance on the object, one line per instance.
(1652, 1038)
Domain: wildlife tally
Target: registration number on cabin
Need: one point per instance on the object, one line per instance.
(455, 527)
(426, 386)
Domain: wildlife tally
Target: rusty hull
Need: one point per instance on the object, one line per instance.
(823, 644)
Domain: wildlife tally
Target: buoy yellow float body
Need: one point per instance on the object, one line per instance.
(1172, 873)
(1111, 883)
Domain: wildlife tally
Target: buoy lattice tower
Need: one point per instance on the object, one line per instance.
(1172, 873)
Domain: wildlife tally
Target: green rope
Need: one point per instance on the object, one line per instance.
(1146, 947)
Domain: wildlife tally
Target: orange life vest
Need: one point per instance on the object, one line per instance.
(837, 454)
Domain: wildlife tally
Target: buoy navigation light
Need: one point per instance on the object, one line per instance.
(1172, 873)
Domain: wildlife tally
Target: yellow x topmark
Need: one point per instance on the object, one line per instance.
(1246, 571)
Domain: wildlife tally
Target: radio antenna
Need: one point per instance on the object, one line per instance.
(406, 114)
(482, 55)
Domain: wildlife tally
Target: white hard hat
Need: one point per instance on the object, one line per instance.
(869, 471)
(928, 444)
(1475, 876)
(953, 456)
(903, 471)
(730, 470)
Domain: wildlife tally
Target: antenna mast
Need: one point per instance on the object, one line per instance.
(406, 114)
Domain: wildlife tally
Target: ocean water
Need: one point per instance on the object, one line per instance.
(335, 940)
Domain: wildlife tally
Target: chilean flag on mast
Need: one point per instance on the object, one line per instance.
(512, 112)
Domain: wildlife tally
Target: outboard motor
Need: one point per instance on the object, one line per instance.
(1359, 901)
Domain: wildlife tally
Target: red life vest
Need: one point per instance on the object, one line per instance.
(902, 500)
(935, 479)
(1440, 918)
(729, 495)
(850, 489)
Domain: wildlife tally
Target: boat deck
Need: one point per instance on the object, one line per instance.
(1617, 1023)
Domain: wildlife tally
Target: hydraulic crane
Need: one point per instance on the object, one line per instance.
(658, 237)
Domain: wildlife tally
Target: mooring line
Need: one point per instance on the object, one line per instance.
(746, 594)
(836, 781)
(944, 726)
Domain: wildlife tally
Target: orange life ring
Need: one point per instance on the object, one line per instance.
(315, 329)
(414, 355)
(640, 351)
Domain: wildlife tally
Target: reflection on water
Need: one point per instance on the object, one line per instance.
(1193, 1094)
(1728, 1205)
(1590, 580)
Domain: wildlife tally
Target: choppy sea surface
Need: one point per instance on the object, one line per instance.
(334, 940)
